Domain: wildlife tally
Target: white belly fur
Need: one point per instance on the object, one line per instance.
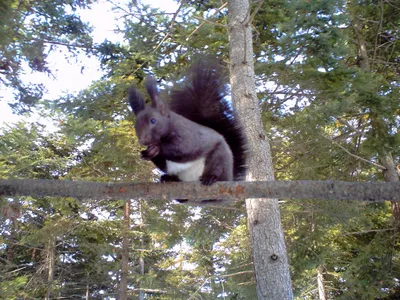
(190, 171)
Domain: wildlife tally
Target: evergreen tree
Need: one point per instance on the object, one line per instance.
(327, 76)
(29, 32)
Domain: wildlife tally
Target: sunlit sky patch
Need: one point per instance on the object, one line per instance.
(75, 74)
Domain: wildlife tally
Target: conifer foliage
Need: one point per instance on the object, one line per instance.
(327, 75)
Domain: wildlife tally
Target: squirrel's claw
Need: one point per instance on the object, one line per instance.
(208, 179)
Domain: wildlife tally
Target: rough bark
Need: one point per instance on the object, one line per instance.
(87, 296)
(325, 190)
(264, 221)
(321, 284)
(390, 174)
(362, 46)
(12, 239)
(50, 262)
(141, 256)
(125, 253)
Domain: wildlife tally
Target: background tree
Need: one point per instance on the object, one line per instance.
(29, 32)
(322, 112)
(327, 82)
(267, 240)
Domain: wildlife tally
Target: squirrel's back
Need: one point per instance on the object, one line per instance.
(202, 99)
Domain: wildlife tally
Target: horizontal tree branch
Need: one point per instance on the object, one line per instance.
(238, 273)
(328, 190)
(147, 291)
(369, 231)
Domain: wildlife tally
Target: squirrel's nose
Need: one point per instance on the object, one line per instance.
(141, 137)
(143, 140)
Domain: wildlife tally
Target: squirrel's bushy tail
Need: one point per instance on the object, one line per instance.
(202, 99)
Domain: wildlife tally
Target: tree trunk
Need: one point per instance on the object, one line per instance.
(268, 244)
(362, 46)
(321, 285)
(141, 256)
(141, 264)
(125, 253)
(50, 262)
(11, 240)
(385, 157)
(390, 175)
(87, 296)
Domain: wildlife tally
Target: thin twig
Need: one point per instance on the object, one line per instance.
(206, 21)
(238, 273)
(166, 36)
(368, 231)
(260, 3)
(354, 155)
(378, 32)
(204, 283)
(344, 122)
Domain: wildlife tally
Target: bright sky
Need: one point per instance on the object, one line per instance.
(69, 78)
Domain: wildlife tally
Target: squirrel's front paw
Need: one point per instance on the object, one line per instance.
(145, 155)
(169, 178)
(151, 152)
(182, 200)
(208, 179)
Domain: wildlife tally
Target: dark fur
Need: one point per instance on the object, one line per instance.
(198, 123)
(202, 100)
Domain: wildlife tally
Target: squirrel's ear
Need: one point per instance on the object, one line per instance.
(156, 101)
(136, 100)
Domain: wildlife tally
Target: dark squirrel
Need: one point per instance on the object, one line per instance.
(196, 137)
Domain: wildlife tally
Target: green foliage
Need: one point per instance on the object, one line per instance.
(333, 113)
(29, 32)
(28, 151)
(330, 112)
(12, 289)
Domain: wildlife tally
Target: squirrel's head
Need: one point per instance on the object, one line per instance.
(152, 121)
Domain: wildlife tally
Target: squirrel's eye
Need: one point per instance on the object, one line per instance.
(153, 121)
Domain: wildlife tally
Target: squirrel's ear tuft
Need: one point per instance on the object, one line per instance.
(151, 87)
(136, 100)
(156, 101)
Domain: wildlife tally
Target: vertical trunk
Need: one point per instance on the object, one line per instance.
(268, 244)
(141, 263)
(125, 253)
(87, 287)
(50, 262)
(321, 285)
(385, 157)
(141, 258)
(390, 175)
(12, 239)
(362, 46)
